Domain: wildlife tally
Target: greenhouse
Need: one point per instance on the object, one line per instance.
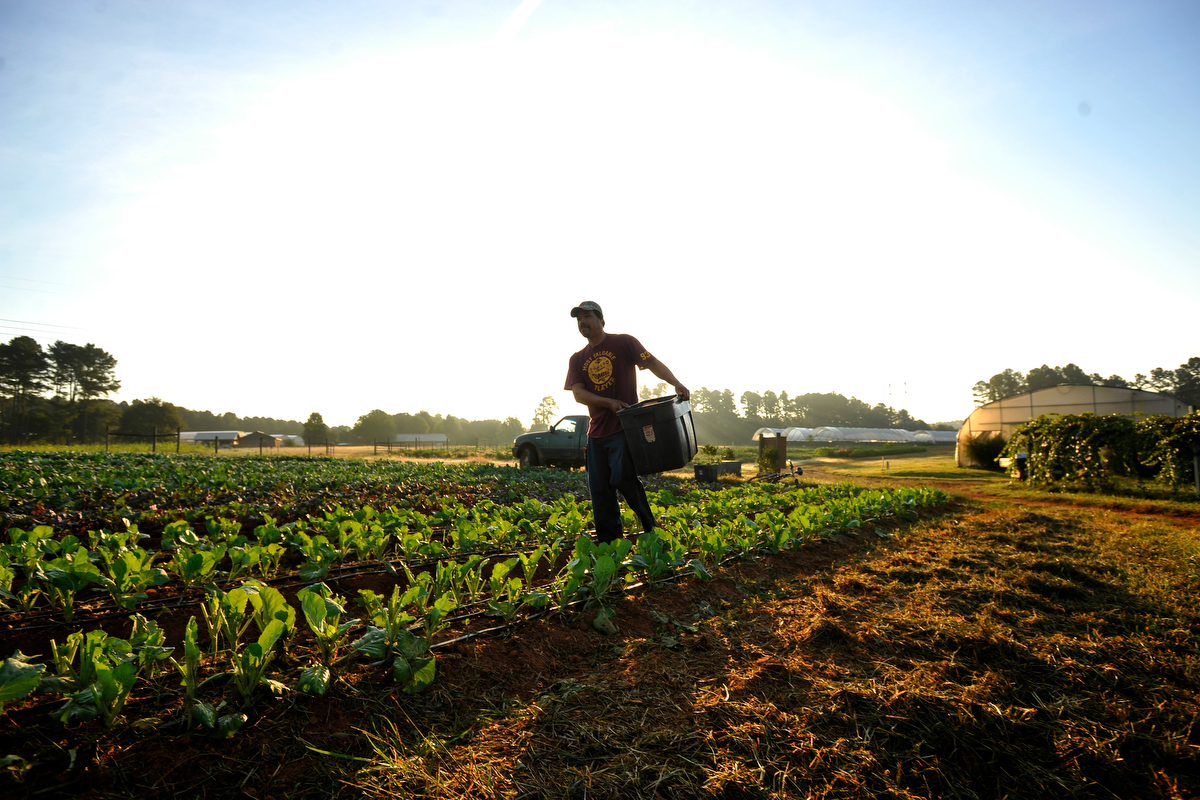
(1002, 417)
(830, 434)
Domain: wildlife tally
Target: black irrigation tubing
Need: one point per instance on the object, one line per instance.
(182, 600)
(676, 575)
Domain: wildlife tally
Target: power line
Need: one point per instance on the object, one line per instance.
(39, 291)
(31, 280)
(41, 324)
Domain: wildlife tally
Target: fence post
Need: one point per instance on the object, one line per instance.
(1196, 466)
(260, 445)
(154, 443)
(178, 437)
(106, 438)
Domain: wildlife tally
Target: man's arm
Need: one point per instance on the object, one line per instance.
(584, 397)
(661, 372)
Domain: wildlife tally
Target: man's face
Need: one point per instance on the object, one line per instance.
(589, 323)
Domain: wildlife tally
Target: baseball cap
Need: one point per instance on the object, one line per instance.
(587, 305)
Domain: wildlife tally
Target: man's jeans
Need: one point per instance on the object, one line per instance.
(610, 467)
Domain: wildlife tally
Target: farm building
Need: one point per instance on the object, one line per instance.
(257, 439)
(1002, 417)
(223, 438)
(830, 434)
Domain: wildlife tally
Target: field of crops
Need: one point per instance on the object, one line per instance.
(182, 595)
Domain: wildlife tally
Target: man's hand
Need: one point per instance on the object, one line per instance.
(615, 405)
(682, 391)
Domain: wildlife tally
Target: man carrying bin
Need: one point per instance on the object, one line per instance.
(602, 377)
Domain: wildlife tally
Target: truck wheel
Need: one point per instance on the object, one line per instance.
(528, 458)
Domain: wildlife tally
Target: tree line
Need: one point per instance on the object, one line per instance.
(58, 395)
(378, 425)
(1182, 382)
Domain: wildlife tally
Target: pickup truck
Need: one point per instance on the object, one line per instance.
(564, 445)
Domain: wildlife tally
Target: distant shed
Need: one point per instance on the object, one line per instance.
(1002, 417)
(257, 439)
(223, 438)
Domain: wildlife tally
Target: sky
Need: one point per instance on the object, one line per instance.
(275, 208)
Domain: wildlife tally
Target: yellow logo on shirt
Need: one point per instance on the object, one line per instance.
(600, 370)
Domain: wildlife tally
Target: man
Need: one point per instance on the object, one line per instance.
(602, 377)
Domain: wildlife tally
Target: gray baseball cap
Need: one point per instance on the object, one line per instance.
(587, 305)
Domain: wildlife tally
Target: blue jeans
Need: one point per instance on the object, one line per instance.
(610, 468)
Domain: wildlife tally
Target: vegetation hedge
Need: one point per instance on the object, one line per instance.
(1088, 450)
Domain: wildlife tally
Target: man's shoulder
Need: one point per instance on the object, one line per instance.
(624, 340)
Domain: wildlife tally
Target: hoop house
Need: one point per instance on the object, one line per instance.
(1002, 417)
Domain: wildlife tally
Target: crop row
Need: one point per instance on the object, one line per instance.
(40, 571)
(481, 560)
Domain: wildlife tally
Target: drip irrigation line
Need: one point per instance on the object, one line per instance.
(286, 581)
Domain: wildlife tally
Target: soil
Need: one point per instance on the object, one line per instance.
(273, 755)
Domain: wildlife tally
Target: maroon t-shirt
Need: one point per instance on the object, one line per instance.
(608, 370)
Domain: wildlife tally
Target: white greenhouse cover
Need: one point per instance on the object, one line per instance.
(830, 434)
(864, 434)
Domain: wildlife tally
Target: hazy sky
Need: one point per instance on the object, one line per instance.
(274, 208)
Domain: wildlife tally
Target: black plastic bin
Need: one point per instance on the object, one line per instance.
(660, 434)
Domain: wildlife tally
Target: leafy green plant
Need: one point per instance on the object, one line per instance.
(189, 670)
(389, 620)
(108, 670)
(67, 575)
(249, 666)
(323, 611)
(18, 678)
(129, 574)
(225, 615)
(269, 604)
(24, 552)
(389, 637)
(658, 554)
(318, 553)
(607, 561)
(194, 566)
(508, 596)
(269, 558)
(243, 558)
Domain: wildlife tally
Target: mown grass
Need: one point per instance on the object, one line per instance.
(940, 467)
